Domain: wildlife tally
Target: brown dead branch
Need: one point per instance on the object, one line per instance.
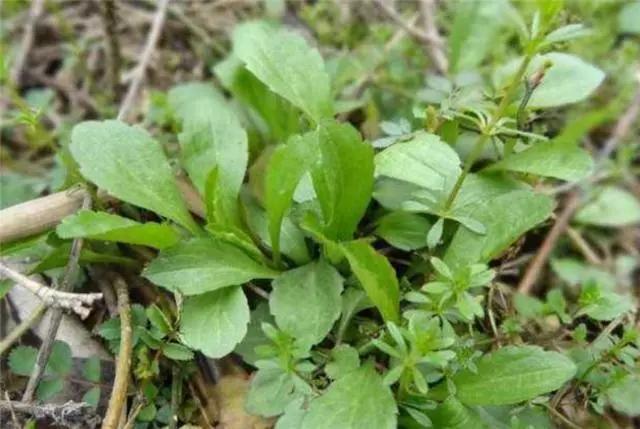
(145, 57)
(35, 216)
(68, 415)
(123, 363)
(79, 303)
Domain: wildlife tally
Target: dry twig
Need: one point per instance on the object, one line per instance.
(620, 130)
(123, 363)
(79, 303)
(38, 215)
(145, 57)
(35, 11)
(540, 259)
(68, 279)
(435, 48)
(68, 415)
(421, 36)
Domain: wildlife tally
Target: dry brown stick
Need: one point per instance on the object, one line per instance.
(80, 303)
(14, 418)
(41, 214)
(421, 36)
(145, 57)
(69, 415)
(622, 127)
(620, 130)
(435, 48)
(579, 241)
(539, 260)
(123, 363)
(68, 278)
(38, 215)
(37, 6)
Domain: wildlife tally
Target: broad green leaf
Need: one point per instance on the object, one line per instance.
(358, 400)
(623, 395)
(344, 359)
(575, 272)
(147, 413)
(514, 417)
(285, 168)
(476, 25)
(404, 230)
(310, 223)
(354, 300)
(566, 33)
(424, 161)
(505, 217)
(158, 319)
(92, 369)
(274, 116)
(599, 303)
(255, 335)
(292, 238)
(271, 390)
(202, 265)
(130, 165)
(216, 321)
(285, 63)
(92, 396)
(435, 233)
(177, 351)
(478, 188)
(567, 81)
(629, 18)
(452, 414)
(110, 227)
(22, 359)
(399, 195)
(211, 138)
(551, 159)
(610, 207)
(513, 374)
(306, 301)
(59, 256)
(293, 416)
(48, 388)
(60, 360)
(376, 275)
(342, 178)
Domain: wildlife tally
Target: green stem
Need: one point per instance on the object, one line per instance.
(488, 131)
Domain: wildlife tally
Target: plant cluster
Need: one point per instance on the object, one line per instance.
(365, 281)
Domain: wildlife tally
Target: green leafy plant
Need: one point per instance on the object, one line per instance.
(364, 281)
(58, 371)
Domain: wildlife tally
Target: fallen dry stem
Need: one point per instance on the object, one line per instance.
(79, 303)
(141, 69)
(123, 363)
(68, 415)
(68, 279)
(37, 6)
(620, 130)
(38, 215)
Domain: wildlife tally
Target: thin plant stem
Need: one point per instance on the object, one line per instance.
(488, 130)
